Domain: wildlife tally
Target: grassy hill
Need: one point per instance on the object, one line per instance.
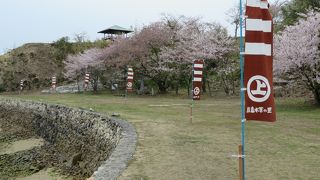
(36, 63)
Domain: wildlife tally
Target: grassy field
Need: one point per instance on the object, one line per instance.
(170, 147)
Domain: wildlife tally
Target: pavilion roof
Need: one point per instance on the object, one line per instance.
(115, 30)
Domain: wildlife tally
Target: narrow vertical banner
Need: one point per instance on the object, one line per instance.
(130, 80)
(258, 64)
(86, 81)
(54, 83)
(197, 79)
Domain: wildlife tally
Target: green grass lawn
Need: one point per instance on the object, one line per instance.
(170, 147)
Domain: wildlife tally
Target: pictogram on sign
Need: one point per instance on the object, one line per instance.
(262, 89)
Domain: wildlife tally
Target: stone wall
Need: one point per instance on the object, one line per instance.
(103, 145)
(72, 88)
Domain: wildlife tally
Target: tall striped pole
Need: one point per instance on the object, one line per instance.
(21, 85)
(86, 81)
(130, 79)
(129, 85)
(197, 70)
(54, 83)
(242, 93)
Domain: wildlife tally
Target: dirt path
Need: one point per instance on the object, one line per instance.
(19, 154)
(22, 145)
(44, 175)
(25, 145)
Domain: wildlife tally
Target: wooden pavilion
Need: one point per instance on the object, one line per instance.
(114, 31)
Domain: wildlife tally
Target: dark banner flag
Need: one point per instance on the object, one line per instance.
(258, 63)
(197, 79)
(130, 79)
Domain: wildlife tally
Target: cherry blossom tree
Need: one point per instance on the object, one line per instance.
(297, 52)
(116, 58)
(162, 52)
(197, 40)
(91, 61)
(179, 54)
(220, 52)
(144, 53)
(234, 18)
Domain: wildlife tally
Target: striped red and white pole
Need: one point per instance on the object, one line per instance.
(130, 80)
(197, 79)
(258, 63)
(86, 81)
(54, 83)
(21, 85)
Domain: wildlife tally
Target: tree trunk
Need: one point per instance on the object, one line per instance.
(225, 87)
(95, 86)
(316, 93)
(162, 90)
(152, 92)
(78, 86)
(95, 82)
(233, 87)
(313, 86)
(162, 87)
(177, 89)
(236, 31)
(29, 86)
(141, 89)
(204, 82)
(209, 88)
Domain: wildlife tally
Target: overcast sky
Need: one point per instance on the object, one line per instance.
(24, 21)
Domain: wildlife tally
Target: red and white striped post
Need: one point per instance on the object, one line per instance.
(21, 85)
(129, 80)
(256, 64)
(197, 79)
(86, 81)
(54, 83)
(197, 71)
